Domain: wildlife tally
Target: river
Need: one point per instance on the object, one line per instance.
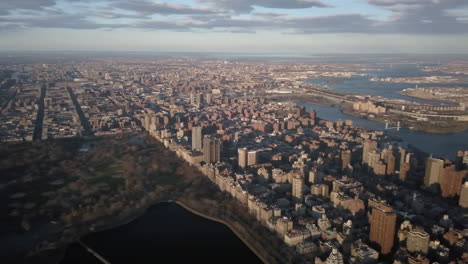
(441, 145)
(165, 233)
(362, 84)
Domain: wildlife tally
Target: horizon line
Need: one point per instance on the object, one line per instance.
(304, 53)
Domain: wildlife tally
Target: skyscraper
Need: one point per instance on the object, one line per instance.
(367, 147)
(402, 152)
(313, 115)
(199, 99)
(373, 158)
(463, 202)
(297, 188)
(208, 98)
(450, 180)
(211, 149)
(390, 160)
(345, 158)
(242, 156)
(433, 170)
(192, 99)
(382, 227)
(197, 138)
(252, 157)
(404, 169)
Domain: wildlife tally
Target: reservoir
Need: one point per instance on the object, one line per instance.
(165, 233)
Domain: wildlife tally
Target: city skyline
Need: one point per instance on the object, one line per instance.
(305, 162)
(364, 26)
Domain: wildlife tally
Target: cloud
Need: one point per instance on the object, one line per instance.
(149, 8)
(25, 4)
(246, 6)
(268, 14)
(398, 2)
(57, 20)
(408, 16)
(342, 23)
(350, 23)
(422, 17)
(10, 27)
(106, 14)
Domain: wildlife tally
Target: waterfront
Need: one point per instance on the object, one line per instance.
(166, 231)
(443, 145)
(390, 90)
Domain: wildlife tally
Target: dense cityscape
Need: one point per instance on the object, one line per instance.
(331, 191)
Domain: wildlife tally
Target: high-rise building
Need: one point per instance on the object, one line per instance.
(345, 159)
(199, 99)
(197, 138)
(315, 176)
(390, 160)
(405, 164)
(402, 152)
(319, 189)
(339, 123)
(433, 170)
(208, 98)
(382, 227)
(211, 149)
(242, 156)
(192, 99)
(252, 157)
(373, 158)
(147, 123)
(417, 240)
(404, 170)
(380, 168)
(450, 181)
(297, 188)
(313, 115)
(367, 147)
(196, 99)
(464, 195)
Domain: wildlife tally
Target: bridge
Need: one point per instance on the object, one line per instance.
(388, 127)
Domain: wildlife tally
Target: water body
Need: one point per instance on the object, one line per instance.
(362, 84)
(441, 145)
(166, 233)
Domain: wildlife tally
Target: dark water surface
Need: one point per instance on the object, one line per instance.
(166, 233)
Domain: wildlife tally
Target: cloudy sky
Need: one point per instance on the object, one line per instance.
(289, 26)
